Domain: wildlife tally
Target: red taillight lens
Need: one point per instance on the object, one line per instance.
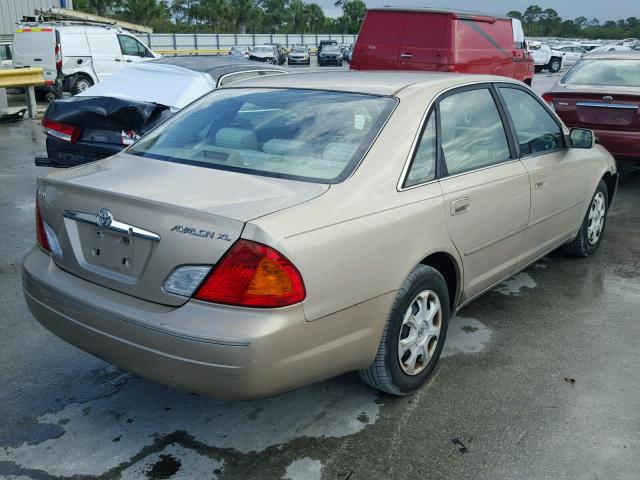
(58, 53)
(547, 97)
(41, 236)
(253, 275)
(62, 131)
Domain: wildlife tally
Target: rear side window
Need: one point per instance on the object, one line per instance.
(309, 135)
(423, 165)
(236, 77)
(536, 129)
(473, 135)
(5, 53)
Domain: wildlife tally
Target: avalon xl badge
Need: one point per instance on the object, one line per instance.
(201, 233)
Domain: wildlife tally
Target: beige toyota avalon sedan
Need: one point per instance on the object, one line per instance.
(291, 228)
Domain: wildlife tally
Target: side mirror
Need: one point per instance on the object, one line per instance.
(581, 138)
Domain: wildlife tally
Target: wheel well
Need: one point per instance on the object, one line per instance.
(448, 268)
(610, 181)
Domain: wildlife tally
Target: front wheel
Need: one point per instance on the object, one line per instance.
(592, 229)
(413, 336)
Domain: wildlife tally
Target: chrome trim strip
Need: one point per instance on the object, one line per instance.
(558, 212)
(115, 226)
(607, 105)
(496, 240)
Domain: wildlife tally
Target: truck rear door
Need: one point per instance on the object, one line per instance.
(37, 47)
(379, 41)
(422, 41)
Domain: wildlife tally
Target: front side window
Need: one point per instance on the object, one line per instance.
(4, 52)
(423, 165)
(473, 135)
(131, 46)
(309, 135)
(536, 129)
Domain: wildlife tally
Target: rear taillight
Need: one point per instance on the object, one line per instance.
(547, 97)
(45, 234)
(62, 131)
(58, 53)
(41, 236)
(253, 275)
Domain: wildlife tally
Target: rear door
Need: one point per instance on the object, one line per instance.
(36, 47)
(106, 53)
(558, 183)
(379, 42)
(486, 189)
(424, 34)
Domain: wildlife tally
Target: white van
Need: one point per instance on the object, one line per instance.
(76, 56)
(6, 55)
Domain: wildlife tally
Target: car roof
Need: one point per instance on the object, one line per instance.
(454, 11)
(374, 83)
(617, 55)
(215, 66)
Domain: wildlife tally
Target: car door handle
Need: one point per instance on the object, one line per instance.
(129, 61)
(406, 55)
(118, 59)
(458, 206)
(540, 182)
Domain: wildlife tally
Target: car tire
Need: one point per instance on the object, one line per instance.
(397, 370)
(81, 84)
(592, 229)
(555, 64)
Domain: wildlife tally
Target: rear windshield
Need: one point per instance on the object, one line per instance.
(309, 135)
(614, 72)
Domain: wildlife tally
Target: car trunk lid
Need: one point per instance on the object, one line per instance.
(161, 215)
(598, 108)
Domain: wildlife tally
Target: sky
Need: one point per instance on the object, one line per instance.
(602, 10)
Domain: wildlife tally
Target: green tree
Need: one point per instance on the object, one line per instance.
(143, 12)
(315, 18)
(515, 14)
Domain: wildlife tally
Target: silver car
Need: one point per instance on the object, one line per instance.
(290, 228)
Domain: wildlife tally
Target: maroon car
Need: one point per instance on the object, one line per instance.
(602, 93)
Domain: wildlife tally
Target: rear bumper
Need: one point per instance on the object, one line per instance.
(225, 352)
(67, 154)
(623, 145)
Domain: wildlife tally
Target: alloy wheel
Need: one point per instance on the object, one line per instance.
(420, 332)
(597, 213)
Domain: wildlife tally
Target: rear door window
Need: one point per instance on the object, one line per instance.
(5, 53)
(473, 135)
(536, 130)
(423, 164)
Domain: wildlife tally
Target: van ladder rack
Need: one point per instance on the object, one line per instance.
(62, 14)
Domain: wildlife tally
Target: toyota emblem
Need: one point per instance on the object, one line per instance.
(607, 99)
(104, 217)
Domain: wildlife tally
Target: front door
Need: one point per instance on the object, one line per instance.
(557, 187)
(486, 189)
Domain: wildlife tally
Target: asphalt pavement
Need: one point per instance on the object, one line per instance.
(539, 380)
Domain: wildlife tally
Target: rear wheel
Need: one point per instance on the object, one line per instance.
(555, 64)
(413, 336)
(82, 83)
(590, 234)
